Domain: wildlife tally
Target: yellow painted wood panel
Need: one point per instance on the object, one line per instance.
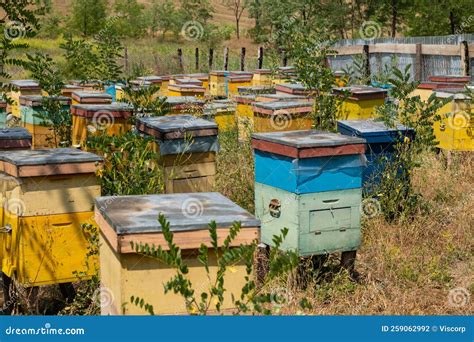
(233, 87)
(82, 127)
(187, 158)
(190, 170)
(198, 184)
(42, 136)
(359, 110)
(144, 277)
(455, 131)
(277, 123)
(44, 250)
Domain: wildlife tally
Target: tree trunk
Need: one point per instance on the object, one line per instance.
(451, 22)
(237, 26)
(394, 18)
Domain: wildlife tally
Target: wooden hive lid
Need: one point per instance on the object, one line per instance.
(180, 101)
(37, 100)
(282, 107)
(361, 92)
(25, 84)
(70, 88)
(239, 78)
(92, 97)
(48, 162)
(256, 90)
(292, 88)
(307, 144)
(176, 127)
(373, 130)
(115, 110)
(245, 99)
(187, 87)
(284, 97)
(262, 71)
(188, 81)
(127, 219)
(15, 138)
(219, 73)
(198, 76)
(450, 78)
(439, 85)
(454, 93)
(85, 84)
(152, 79)
(218, 107)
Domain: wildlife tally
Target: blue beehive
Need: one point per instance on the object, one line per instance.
(381, 141)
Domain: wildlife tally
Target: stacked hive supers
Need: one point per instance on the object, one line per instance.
(184, 105)
(222, 113)
(282, 116)
(35, 118)
(187, 147)
(128, 219)
(309, 182)
(47, 195)
(21, 88)
(361, 102)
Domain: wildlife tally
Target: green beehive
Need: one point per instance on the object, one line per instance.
(318, 223)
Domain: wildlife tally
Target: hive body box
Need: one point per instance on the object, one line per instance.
(32, 111)
(47, 196)
(282, 97)
(21, 88)
(282, 116)
(223, 114)
(184, 105)
(361, 102)
(87, 97)
(217, 83)
(262, 77)
(292, 88)
(426, 89)
(187, 147)
(256, 90)
(381, 142)
(113, 118)
(69, 89)
(236, 80)
(186, 90)
(15, 138)
(310, 183)
(455, 131)
(245, 116)
(88, 86)
(3, 113)
(201, 79)
(123, 220)
(284, 75)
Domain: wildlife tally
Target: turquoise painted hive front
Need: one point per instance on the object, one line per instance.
(309, 182)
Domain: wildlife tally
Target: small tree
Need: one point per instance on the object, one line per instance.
(130, 18)
(164, 18)
(88, 16)
(237, 7)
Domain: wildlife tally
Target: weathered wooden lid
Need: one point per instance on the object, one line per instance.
(185, 212)
(187, 87)
(219, 73)
(256, 90)
(375, 131)
(245, 99)
(439, 85)
(282, 107)
(152, 79)
(450, 78)
(92, 97)
(86, 84)
(115, 110)
(196, 76)
(25, 84)
(176, 127)
(214, 108)
(239, 78)
(282, 97)
(47, 162)
(262, 71)
(188, 81)
(361, 92)
(292, 88)
(15, 138)
(454, 93)
(307, 144)
(70, 88)
(37, 100)
(177, 101)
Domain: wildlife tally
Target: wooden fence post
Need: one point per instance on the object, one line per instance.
(465, 59)
(260, 58)
(242, 59)
(419, 63)
(125, 56)
(180, 59)
(226, 58)
(196, 57)
(211, 58)
(283, 58)
(367, 63)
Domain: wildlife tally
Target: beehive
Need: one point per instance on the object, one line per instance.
(309, 182)
(361, 102)
(282, 116)
(87, 119)
(455, 130)
(127, 219)
(68, 89)
(292, 88)
(245, 116)
(282, 97)
(236, 80)
(3, 112)
(256, 90)
(381, 145)
(187, 80)
(87, 97)
(33, 119)
(21, 88)
(15, 138)
(185, 90)
(115, 90)
(184, 105)
(187, 146)
(47, 195)
(262, 77)
(203, 77)
(88, 86)
(218, 83)
(223, 114)
(425, 89)
(450, 79)
(284, 75)
(341, 78)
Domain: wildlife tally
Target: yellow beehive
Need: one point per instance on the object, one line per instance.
(21, 88)
(87, 97)
(161, 81)
(87, 119)
(360, 102)
(222, 113)
(292, 89)
(68, 89)
(32, 112)
(282, 97)
(184, 105)
(244, 113)
(426, 89)
(44, 242)
(200, 79)
(88, 86)
(217, 83)
(262, 77)
(186, 90)
(124, 273)
(282, 116)
(236, 80)
(284, 75)
(455, 131)
(187, 147)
